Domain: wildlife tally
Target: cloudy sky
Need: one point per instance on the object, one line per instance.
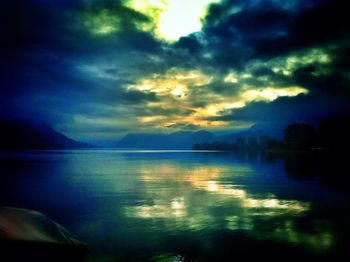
(98, 69)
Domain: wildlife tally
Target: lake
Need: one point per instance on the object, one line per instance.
(182, 205)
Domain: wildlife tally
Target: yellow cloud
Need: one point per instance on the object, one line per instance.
(231, 78)
(184, 89)
(269, 94)
(101, 23)
(174, 82)
(288, 64)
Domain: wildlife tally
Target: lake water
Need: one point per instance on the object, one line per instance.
(181, 205)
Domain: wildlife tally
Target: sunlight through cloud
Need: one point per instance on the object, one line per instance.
(173, 18)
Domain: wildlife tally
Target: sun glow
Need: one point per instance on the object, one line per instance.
(173, 18)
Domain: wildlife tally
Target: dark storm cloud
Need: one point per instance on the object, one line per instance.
(250, 36)
(239, 31)
(65, 26)
(161, 111)
(43, 43)
(189, 43)
(301, 108)
(274, 27)
(118, 96)
(187, 127)
(71, 63)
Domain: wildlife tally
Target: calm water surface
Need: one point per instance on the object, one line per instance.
(179, 205)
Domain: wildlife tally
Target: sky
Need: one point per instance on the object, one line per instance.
(96, 70)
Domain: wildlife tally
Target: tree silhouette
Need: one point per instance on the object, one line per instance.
(300, 136)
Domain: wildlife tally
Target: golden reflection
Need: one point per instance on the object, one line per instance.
(319, 239)
(195, 191)
(212, 186)
(273, 203)
(206, 178)
(176, 208)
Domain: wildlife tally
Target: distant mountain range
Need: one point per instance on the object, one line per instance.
(25, 135)
(270, 129)
(185, 140)
(177, 140)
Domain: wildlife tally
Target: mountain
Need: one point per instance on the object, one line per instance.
(202, 136)
(25, 135)
(177, 140)
(270, 129)
(185, 140)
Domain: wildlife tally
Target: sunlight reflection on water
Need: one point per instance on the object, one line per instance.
(153, 202)
(243, 209)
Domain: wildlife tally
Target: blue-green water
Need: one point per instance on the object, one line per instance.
(179, 205)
